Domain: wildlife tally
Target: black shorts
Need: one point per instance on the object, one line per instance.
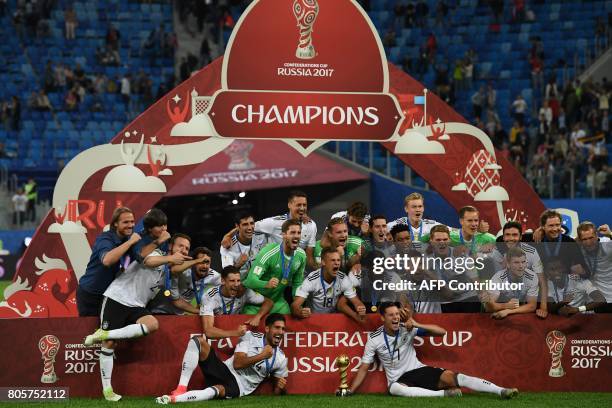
(216, 373)
(88, 303)
(424, 377)
(114, 315)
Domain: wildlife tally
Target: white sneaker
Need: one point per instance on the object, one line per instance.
(97, 337)
(164, 400)
(110, 395)
(509, 393)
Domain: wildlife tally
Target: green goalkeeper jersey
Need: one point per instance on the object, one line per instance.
(269, 264)
(353, 244)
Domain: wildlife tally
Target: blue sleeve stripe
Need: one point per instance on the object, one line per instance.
(421, 332)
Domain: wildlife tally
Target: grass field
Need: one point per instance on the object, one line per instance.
(590, 400)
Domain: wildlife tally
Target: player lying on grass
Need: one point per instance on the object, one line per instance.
(257, 356)
(229, 298)
(406, 375)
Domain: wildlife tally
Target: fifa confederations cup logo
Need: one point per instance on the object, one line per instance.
(555, 340)
(305, 12)
(49, 346)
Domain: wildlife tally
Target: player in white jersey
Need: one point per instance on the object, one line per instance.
(257, 357)
(406, 375)
(272, 227)
(569, 294)
(521, 296)
(245, 244)
(186, 286)
(598, 258)
(227, 299)
(356, 218)
(322, 289)
(123, 314)
(446, 265)
(512, 233)
(414, 205)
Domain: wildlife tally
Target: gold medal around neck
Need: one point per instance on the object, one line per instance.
(374, 308)
(166, 292)
(284, 281)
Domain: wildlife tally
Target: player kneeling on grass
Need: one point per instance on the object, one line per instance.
(406, 375)
(324, 287)
(123, 314)
(257, 356)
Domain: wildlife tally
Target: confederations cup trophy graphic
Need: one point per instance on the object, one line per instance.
(342, 361)
(305, 12)
(555, 340)
(48, 346)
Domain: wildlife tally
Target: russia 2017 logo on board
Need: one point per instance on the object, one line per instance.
(304, 75)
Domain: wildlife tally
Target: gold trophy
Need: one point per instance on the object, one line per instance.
(343, 361)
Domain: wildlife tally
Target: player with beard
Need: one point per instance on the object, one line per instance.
(245, 244)
(123, 314)
(336, 236)
(597, 254)
(392, 343)
(227, 299)
(414, 205)
(357, 219)
(257, 357)
(271, 228)
(511, 237)
(186, 286)
(322, 289)
(108, 256)
(278, 266)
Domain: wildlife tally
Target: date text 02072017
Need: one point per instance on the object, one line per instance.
(34, 393)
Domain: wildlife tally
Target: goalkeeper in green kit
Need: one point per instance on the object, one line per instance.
(276, 267)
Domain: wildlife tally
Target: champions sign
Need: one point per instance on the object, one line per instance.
(270, 91)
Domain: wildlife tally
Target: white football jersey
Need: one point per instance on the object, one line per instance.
(529, 289)
(324, 299)
(396, 353)
(182, 288)
(422, 300)
(272, 229)
(138, 284)
(440, 267)
(214, 303)
(576, 288)
(534, 262)
(600, 268)
(249, 378)
(230, 256)
(418, 232)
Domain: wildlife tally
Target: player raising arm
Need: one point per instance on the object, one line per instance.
(257, 357)
(406, 375)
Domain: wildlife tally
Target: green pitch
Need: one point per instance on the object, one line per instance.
(530, 400)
